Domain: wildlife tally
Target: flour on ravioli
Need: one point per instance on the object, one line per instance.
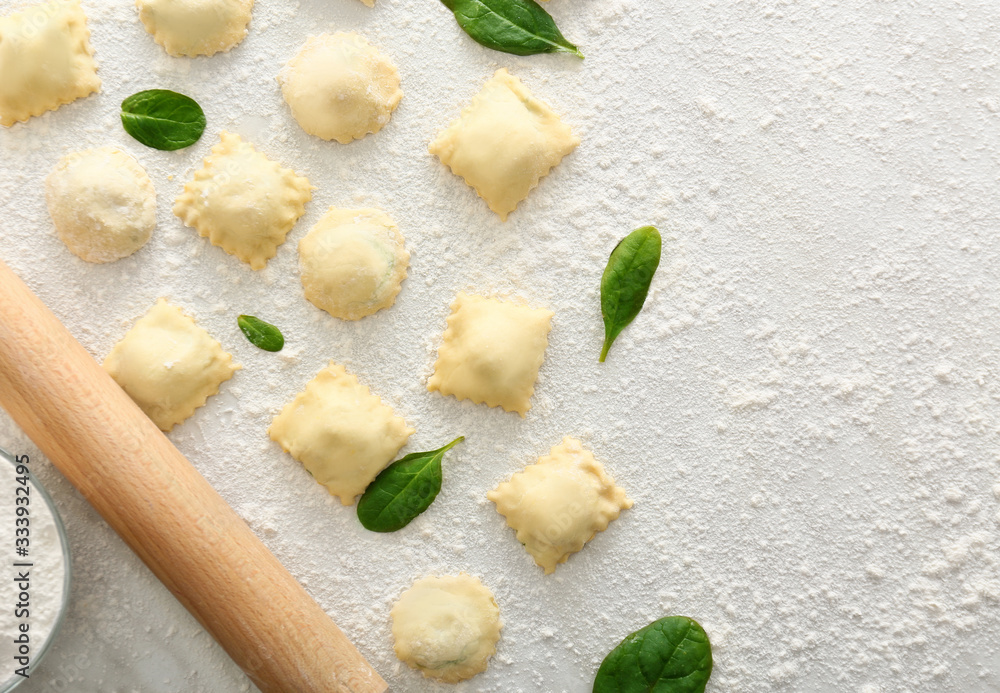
(46, 60)
(102, 203)
(189, 28)
(340, 87)
(559, 503)
(340, 432)
(169, 365)
(353, 262)
(446, 627)
(242, 201)
(504, 142)
(491, 352)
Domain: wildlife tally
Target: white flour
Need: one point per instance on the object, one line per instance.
(46, 575)
(805, 413)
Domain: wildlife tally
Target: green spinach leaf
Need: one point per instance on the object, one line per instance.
(520, 27)
(403, 490)
(163, 119)
(626, 280)
(672, 655)
(262, 335)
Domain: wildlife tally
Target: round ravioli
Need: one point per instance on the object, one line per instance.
(188, 28)
(353, 262)
(340, 87)
(446, 627)
(102, 203)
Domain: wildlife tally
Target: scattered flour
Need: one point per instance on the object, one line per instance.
(806, 413)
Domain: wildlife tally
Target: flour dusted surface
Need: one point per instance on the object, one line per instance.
(805, 413)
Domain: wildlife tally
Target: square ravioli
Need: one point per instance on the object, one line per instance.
(504, 142)
(46, 60)
(491, 352)
(169, 365)
(341, 433)
(559, 503)
(242, 201)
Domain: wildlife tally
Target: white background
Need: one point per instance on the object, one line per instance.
(806, 412)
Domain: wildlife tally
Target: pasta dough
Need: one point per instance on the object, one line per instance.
(169, 365)
(504, 142)
(353, 262)
(340, 87)
(46, 60)
(242, 201)
(188, 28)
(447, 627)
(491, 352)
(102, 204)
(559, 503)
(340, 432)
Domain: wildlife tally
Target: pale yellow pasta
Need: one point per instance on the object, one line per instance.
(188, 28)
(504, 142)
(102, 204)
(242, 201)
(559, 503)
(340, 432)
(491, 352)
(169, 365)
(46, 60)
(446, 627)
(353, 262)
(340, 87)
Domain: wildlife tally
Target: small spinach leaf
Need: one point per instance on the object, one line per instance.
(163, 119)
(262, 335)
(520, 27)
(671, 655)
(626, 281)
(403, 490)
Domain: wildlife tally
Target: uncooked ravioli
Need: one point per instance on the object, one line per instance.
(102, 204)
(169, 365)
(353, 262)
(46, 60)
(559, 503)
(340, 87)
(446, 627)
(189, 28)
(340, 432)
(242, 201)
(504, 142)
(491, 352)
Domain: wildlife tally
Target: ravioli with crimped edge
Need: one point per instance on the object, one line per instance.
(102, 203)
(353, 262)
(169, 365)
(559, 503)
(491, 352)
(340, 87)
(189, 28)
(242, 201)
(46, 60)
(340, 432)
(504, 142)
(446, 627)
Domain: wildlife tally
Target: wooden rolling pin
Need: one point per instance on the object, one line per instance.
(165, 510)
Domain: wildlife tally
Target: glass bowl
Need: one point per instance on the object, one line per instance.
(38, 654)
